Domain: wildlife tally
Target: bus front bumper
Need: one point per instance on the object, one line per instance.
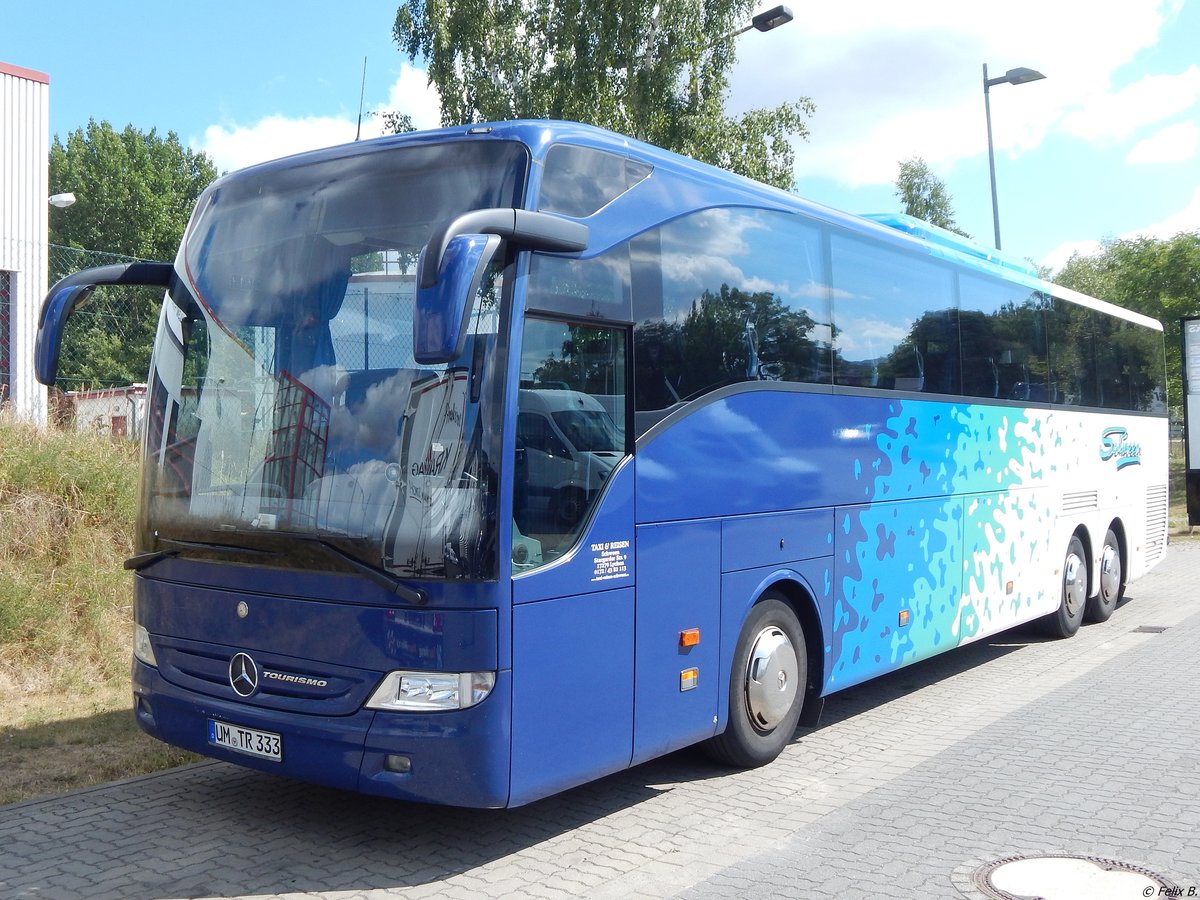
(458, 758)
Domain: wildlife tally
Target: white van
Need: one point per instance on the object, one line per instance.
(570, 445)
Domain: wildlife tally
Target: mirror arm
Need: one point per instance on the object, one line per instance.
(535, 230)
(149, 274)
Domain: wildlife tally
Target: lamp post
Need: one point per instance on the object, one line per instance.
(62, 201)
(1012, 76)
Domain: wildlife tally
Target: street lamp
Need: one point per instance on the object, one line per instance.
(764, 21)
(62, 201)
(772, 18)
(1012, 76)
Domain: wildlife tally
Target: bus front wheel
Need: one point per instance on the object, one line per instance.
(1065, 621)
(766, 686)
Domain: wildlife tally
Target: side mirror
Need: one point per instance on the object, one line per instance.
(70, 294)
(453, 262)
(440, 319)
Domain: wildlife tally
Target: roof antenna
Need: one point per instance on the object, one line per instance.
(361, 92)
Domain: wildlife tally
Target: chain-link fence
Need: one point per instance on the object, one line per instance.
(107, 342)
(105, 351)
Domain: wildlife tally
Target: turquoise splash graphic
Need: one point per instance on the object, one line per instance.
(942, 553)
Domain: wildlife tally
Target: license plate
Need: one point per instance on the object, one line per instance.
(250, 741)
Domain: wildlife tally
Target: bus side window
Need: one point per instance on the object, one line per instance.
(1072, 353)
(724, 296)
(895, 317)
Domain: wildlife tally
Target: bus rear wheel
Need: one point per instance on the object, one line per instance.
(766, 686)
(1112, 581)
(1065, 621)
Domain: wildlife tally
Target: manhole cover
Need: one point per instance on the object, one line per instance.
(1150, 629)
(1062, 877)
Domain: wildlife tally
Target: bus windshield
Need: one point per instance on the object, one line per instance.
(285, 399)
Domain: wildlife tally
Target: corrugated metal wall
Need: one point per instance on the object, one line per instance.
(24, 183)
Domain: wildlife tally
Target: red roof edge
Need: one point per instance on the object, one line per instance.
(28, 74)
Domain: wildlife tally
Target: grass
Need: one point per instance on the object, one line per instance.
(67, 510)
(54, 742)
(1177, 521)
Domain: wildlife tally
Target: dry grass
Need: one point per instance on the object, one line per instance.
(67, 507)
(1177, 521)
(56, 742)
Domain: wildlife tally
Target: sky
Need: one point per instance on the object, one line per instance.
(1106, 146)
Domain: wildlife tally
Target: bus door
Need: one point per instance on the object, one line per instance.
(573, 559)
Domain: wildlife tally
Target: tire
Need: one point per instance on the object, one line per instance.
(767, 686)
(570, 503)
(1065, 621)
(1112, 581)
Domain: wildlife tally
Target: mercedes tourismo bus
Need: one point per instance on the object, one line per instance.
(486, 461)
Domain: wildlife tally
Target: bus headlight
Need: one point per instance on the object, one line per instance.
(427, 691)
(141, 646)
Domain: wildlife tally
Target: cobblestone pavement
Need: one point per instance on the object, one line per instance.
(1017, 745)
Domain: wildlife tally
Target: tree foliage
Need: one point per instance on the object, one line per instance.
(925, 196)
(1159, 278)
(134, 192)
(654, 71)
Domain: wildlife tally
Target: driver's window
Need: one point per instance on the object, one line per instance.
(570, 431)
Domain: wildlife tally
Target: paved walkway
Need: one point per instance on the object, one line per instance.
(1017, 745)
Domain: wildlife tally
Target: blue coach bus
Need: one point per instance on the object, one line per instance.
(487, 461)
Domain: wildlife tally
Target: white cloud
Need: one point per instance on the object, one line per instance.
(1118, 115)
(234, 146)
(1061, 255)
(891, 81)
(411, 93)
(1174, 144)
(237, 146)
(1186, 219)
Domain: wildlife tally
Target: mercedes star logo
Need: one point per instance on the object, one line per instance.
(243, 675)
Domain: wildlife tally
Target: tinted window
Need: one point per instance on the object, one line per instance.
(1003, 338)
(1100, 360)
(725, 296)
(1129, 365)
(580, 181)
(593, 288)
(1071, 336)
(895, 320)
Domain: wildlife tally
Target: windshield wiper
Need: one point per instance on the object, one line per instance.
(141, 560)
(383, 579)
(390, 582)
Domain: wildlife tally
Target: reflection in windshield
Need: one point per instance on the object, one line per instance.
(588, 429)
(285, 397)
